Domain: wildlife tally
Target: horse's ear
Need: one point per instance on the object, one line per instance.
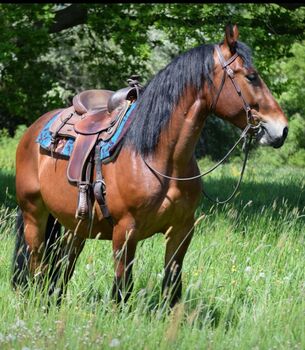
(231, 37)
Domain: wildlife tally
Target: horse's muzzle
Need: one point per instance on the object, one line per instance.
(280, 141)
(272, 134)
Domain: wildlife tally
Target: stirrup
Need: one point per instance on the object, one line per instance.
(83, 210)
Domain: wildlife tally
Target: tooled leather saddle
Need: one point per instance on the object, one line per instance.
(94, 115)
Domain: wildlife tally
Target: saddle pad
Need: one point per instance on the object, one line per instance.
(64, 146)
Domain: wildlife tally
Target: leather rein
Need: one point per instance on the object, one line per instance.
(245, 137)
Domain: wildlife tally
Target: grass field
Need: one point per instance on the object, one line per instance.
(244, 277)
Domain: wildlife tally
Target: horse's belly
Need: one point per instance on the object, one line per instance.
(173, 209)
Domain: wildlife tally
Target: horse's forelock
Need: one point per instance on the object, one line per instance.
(245, 53)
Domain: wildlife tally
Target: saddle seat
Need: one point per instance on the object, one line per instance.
(97, 100)
(91, 100)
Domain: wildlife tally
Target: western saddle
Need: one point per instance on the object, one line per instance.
(94, 115)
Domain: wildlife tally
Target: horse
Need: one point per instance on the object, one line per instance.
(144, 192)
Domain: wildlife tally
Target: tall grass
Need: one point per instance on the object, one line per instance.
(7, 166)
(243, 279)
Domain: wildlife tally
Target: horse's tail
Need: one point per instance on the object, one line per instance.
(51, 254)
(20, 268)
(21, 255)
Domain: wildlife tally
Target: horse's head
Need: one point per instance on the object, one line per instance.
(241, 96)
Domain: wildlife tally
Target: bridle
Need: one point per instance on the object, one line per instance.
(227, 70)
(252, 124)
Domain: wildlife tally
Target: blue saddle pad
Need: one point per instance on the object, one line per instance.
(108, 148)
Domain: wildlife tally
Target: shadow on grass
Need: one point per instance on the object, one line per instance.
(261, 194)
(7, 189)
(289, 195)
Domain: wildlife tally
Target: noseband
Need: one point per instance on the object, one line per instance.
(245, 137)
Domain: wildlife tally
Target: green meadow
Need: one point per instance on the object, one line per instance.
(243, 277)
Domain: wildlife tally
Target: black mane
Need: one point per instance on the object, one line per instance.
(162, 93)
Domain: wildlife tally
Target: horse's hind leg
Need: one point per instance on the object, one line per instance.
(36, 232)
(42, 252)
(35, 218)
(30, 240)
(51, 253)
(21, 257)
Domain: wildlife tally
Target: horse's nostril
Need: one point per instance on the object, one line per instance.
(285, 132)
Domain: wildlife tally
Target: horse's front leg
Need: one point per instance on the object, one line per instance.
(177, 242)
(124, 248)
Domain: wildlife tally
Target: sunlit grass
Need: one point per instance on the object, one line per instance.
(243, 281)
(243, 277)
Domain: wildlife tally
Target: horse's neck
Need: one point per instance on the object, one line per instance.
(179, 139)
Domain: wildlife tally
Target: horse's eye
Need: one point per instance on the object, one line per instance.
(252, 77)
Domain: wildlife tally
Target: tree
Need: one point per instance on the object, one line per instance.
(49, 52)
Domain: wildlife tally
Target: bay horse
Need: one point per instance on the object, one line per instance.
(169, 117)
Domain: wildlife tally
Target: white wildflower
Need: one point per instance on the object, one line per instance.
(19, 323)
(248, 269)
(261, 275)
(10, 337)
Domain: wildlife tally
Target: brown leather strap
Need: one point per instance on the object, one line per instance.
(222, 61)
(227, 69)
(216, 97)
(99, 186)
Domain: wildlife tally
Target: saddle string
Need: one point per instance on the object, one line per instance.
(250, 125)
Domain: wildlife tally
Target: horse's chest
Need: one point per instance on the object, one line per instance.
(178, 203)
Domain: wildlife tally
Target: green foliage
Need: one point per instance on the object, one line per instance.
(217, 138)
(40, 71)
(290, 72)
(8, 147)
(24, 79)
